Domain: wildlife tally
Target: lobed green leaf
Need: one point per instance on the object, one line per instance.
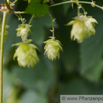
(37, 8)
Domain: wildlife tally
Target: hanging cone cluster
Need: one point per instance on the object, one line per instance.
(83, 27)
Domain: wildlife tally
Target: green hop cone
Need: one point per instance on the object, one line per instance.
(26, 54)
(83, 27)
(6, 32)
(23, 31)
(52, 48)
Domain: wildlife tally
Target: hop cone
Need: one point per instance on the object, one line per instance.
(52, 48)
(26, 54)
(23, 31)
(83, 27)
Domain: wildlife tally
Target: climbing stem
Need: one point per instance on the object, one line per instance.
(8, 6)
(19, 12)
(82, 2)
(53, 20)
(66, 2)
(1, 56)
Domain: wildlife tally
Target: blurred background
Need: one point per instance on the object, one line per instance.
(77, 72)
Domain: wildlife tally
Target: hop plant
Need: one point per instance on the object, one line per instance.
(83, 27)
(5, 33)
(52, 48)
(26, 54)
(23, 31)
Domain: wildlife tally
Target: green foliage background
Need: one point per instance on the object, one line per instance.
(78, 71)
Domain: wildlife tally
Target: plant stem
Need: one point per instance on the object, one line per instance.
(19, 12)
(66, 2)
(53, 20)
(83, 10)
(82, 2)
(78, 5)
(1, 56)
(31, 19)
(62, 3)
(14, 2)
(8, 6)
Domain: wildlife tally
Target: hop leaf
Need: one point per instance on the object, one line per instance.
(52, 48)
(23, 31)
(83, 27)
(26, 54)
(37, 8)
(45, 1)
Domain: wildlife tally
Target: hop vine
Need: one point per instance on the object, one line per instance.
(83, 27)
